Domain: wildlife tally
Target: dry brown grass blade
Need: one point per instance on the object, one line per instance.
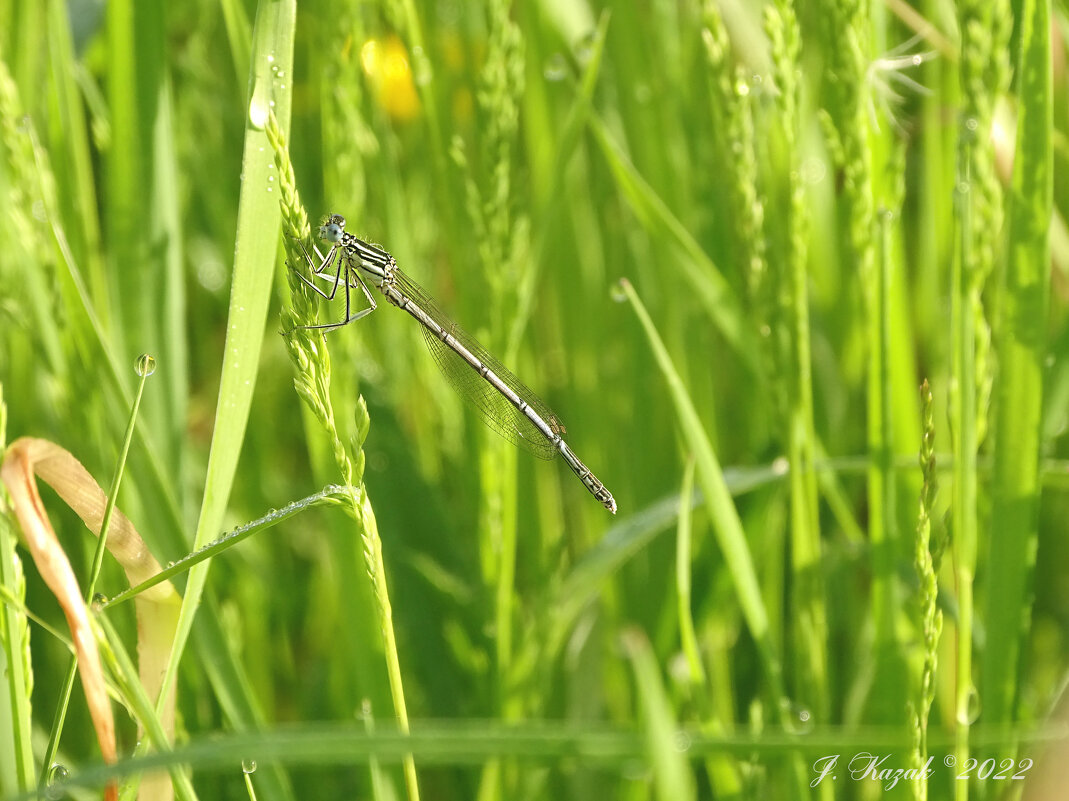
(157, 607)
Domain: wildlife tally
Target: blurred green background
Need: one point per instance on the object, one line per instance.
(819, 207)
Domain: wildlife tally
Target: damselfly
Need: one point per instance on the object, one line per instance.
(503, 401)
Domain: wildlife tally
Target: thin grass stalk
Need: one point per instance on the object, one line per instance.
(500, 241)
(144, 370)
(848, 126)
(963, 424)
(722, 769)
(311, 358)
(424, 75)
(688, 640)
(983, 75)
(70, 148)
(735, 139)
(127, 167)
(793, 298)
(349, 143)
(137, 700)
(673, 779)
(926, 560)
(16, 719)
(881, 447)
(25, 188)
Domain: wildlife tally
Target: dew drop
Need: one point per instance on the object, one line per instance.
(917, 59)
(584, 48)
(556, 68)
(681, 741)
(799, 719)
(146, 365)
(248, 766)
(257, 113)
(972, 709)
(99, 600)
(57, 776)
(58, 773)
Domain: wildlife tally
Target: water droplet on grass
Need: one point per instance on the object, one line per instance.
(146, 365)
(57, 777)
(556, 68)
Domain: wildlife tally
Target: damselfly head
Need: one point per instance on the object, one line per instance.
(333, 229)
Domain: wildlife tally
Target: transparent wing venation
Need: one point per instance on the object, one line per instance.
(494, 408)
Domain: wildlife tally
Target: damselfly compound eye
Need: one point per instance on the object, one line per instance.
(333, 229)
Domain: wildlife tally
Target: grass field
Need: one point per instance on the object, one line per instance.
(727, 242)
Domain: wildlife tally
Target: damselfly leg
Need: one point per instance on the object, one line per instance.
(343, 266)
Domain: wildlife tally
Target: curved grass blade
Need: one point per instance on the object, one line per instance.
(725, 518)
(232, 538)
(259, 223)
(699, 271)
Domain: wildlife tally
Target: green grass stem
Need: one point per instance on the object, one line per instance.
(1021, 353)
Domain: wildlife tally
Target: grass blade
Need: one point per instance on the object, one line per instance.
(1021, 354)
(703, 277)
(672, 777)
(16, 723)
(726, 523)
(259, 222)
(230, 539)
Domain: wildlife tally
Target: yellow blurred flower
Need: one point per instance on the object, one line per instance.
(385, 62)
